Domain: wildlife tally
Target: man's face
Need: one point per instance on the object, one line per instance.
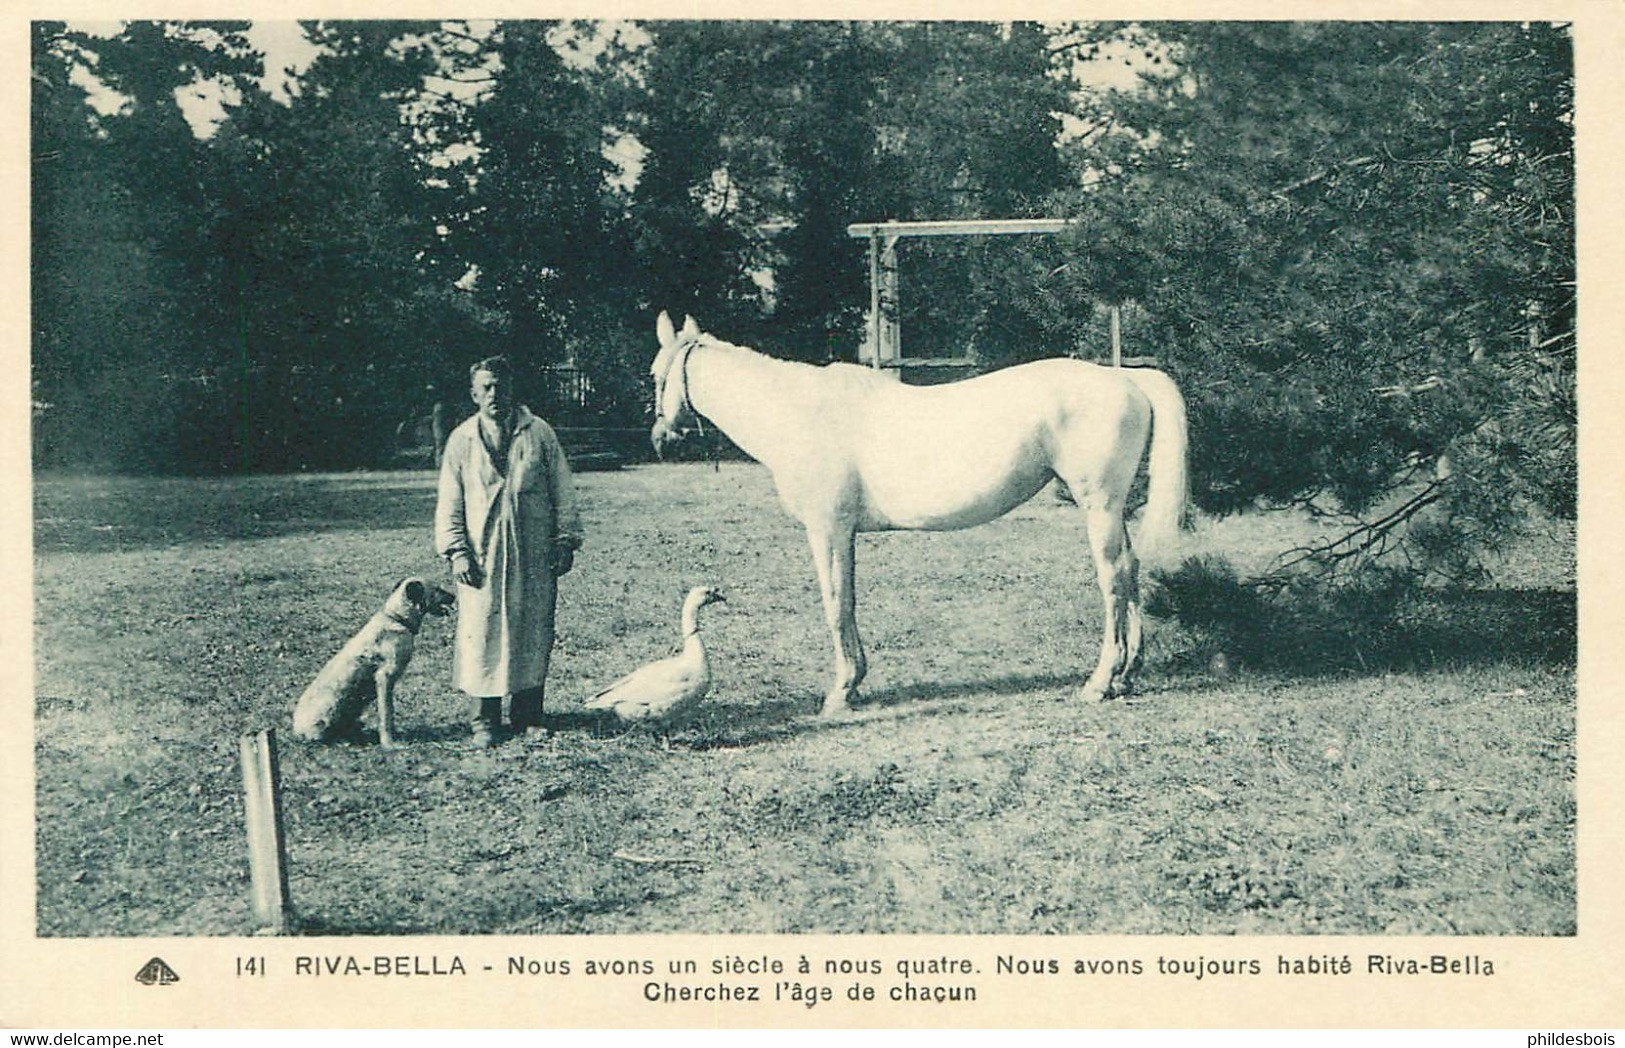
(492, 395)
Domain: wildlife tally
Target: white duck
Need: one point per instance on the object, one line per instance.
(664, 691)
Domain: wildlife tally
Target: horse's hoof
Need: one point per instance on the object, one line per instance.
(835, 706)
(1091, 695)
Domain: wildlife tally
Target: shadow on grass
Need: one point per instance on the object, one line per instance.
(443, 733)
(794, 717)
(1014, 684)
(315, 926)
(110, 514)
(520, 916)
(597, 723)
(1489, 626)
(1435, 629)
(458, 731)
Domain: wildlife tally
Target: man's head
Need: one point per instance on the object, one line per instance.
(491, 386)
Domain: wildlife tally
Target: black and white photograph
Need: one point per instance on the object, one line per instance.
(925, 518)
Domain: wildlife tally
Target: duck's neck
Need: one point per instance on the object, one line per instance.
(691, 620)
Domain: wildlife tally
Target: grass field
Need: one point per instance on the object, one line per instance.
(1429, 789)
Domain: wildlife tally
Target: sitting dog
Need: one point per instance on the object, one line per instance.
(368, 666)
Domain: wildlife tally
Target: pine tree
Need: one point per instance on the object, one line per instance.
(1354, 245)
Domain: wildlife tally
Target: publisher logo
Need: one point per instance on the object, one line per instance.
(156, 973)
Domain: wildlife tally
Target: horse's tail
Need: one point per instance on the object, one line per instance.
(1164, 512)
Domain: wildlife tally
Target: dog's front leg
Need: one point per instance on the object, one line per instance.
(386, 709)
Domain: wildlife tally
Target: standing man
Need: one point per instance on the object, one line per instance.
(508, 523)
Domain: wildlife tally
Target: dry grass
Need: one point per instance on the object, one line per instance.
(1432, 793)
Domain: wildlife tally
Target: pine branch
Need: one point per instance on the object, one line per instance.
(1367, 539)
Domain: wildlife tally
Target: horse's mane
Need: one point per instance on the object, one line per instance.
(853, 375)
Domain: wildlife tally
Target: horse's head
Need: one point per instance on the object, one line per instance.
(674, 412)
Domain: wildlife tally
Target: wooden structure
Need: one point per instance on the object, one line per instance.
(267, 846)
(884, 347)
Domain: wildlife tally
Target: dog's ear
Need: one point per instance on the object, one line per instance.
(414, 591)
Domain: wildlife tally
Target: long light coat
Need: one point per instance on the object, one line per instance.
(509, 524)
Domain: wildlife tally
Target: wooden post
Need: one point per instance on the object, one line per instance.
(1117, 336)
(885, 323)
(267, 847)
(960, 227)
(874, 297)
(890, 348)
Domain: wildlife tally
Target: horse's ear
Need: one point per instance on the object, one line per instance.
(690, 329)
(663, 329)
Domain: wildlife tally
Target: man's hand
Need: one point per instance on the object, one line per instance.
(564, 558)
(464, 570)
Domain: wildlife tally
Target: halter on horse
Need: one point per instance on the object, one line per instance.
(665, 430)
(851, 450)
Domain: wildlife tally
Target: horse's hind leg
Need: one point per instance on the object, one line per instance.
(1117, 570)
(833, 555)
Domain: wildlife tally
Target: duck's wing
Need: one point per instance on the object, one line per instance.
(655, 683)
(676, 695)
(629, 684)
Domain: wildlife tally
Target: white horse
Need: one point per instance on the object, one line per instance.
(851, 450)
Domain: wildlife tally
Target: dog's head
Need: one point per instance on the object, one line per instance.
(414, 598)
(431, 598)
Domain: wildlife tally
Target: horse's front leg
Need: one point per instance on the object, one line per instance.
(833, 554)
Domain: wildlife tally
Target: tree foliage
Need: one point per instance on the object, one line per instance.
(1353, 243)
(767, 139)
(322, 240)
(121, 199)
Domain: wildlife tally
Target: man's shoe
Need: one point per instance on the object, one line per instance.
(487, 722)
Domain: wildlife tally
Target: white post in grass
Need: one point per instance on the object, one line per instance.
(267, 847)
